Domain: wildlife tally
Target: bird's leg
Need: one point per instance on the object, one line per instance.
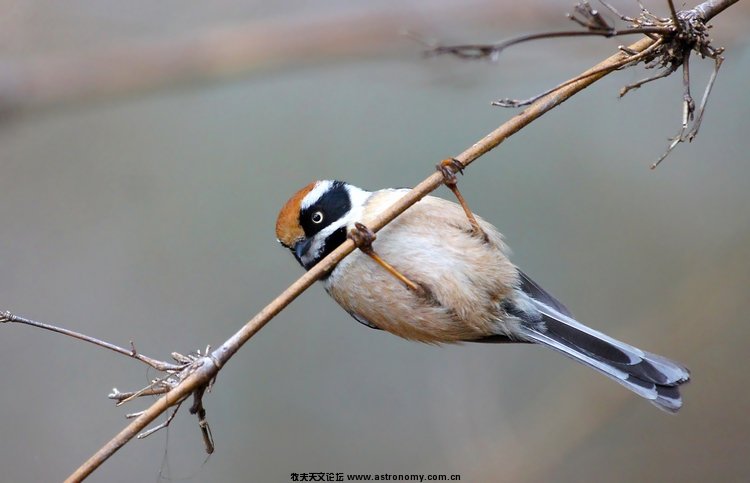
(448, 168)
(363, 238)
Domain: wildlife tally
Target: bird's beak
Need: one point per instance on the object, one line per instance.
(301, 247)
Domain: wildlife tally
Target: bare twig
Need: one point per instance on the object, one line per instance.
(156, 364)
(161, 426)
(676, 38)
(492, 51)
(634, 57)
(198, 409)
(635, 85)
(673, 12)
(175, 374)
(156, 388)
(689, 135)
(585, 16)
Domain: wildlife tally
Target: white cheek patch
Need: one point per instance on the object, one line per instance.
(358, 198)
(309, 257)
(319, 240)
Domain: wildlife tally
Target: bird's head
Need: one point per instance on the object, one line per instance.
(316, 219)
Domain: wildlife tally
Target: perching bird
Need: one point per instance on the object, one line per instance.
(435, 275)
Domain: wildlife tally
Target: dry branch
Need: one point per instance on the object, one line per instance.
(219, 53)
(676, 38)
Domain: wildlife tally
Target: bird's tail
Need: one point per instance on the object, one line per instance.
(651, 376)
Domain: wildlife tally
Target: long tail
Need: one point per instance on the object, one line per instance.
(651, 376)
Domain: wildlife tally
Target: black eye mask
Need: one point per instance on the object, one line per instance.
(333, 205)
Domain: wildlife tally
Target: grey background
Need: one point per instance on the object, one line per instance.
(150, 218)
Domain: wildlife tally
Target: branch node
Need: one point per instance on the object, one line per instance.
(7, 316)
(675, 38)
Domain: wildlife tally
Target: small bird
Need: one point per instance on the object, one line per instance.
(437, 274)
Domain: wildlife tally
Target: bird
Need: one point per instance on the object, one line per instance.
(438, 274)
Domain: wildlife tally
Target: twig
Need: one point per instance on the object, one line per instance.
(633, 57)
(198, 409)
(159, 386)
(480, 51)
(682, 136)
(675, 19)
(676, 38)
(635, 85)
(585, 16)
(156, 364)
(161, 426)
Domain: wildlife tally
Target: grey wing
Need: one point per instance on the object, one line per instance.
(536, 292)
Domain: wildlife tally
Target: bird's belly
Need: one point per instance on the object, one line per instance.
(465, 279)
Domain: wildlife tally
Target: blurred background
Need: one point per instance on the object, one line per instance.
(145, 148)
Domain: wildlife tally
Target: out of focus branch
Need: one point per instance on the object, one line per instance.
(215, 54)
(221, 53)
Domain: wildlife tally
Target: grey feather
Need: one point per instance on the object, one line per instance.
(538, 293)
(651, 376)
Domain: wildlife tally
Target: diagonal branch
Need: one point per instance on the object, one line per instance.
(207, 367)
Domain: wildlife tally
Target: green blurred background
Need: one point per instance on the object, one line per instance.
(149, 217)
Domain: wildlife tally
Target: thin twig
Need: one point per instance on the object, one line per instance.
(676, 38)
(693, 131)
(675, 18)
(688, 108)
(584, 15)
(156, 364)
(153, 389)
(635, 85)
(161, 426)
(479, 51)
(633, 57)
(198, 409)
(702, 108)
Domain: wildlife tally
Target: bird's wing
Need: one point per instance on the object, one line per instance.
(533, 290)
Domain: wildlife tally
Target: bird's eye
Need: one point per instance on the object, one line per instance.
(317, 217)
